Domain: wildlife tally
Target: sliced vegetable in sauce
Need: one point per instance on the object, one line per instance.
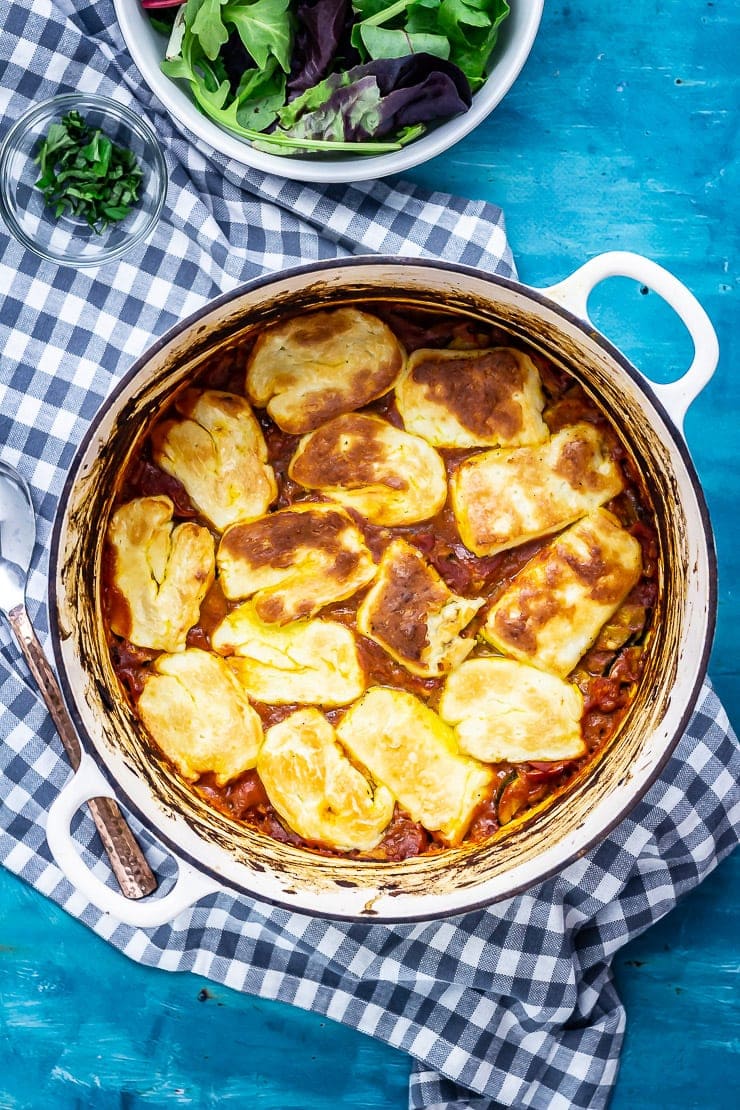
(512, 797)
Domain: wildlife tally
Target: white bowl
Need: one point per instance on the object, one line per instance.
(512, 49)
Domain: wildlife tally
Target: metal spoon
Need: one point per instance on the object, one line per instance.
(17, 539)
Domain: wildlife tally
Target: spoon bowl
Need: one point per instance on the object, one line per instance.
(17, 536)
(17, 540)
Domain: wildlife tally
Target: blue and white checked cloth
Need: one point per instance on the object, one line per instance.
(510, 1006)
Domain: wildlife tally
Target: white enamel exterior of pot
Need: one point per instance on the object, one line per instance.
(210, 860)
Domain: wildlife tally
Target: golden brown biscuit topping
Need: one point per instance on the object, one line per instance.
(307, 662)
(314, 367)
(504, 497)
(408, 748)
(218, 453)
(294, 561)
(413, 614)
(506, 711)
(349, 451)
(395, 727)
(555, 607)
(317, 789)
(367, 464)
(160, 573)
(472, 398)
(484, 403)
(200, 715)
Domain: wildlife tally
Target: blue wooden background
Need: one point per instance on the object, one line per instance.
(621, 133)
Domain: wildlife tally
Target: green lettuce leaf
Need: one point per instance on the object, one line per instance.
(260, 96)
(205, 21)
(384, 42)
(381, 11)
(265, 27)
(470, 28)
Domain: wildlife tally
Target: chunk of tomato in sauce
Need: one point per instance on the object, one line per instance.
(403, 839)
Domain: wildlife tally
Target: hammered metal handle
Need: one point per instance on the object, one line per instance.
(134, 875)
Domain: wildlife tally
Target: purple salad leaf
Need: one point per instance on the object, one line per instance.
(403, 92)
(321, 28)
(350, 114)
(236, 59)
(440, 93)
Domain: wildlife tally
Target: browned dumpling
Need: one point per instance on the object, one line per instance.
(407, 747)
(309, 662)
(218, 452)
(316, 789)
(554, 608)
(160, 573)
(490, 398)
(411, 613)
(200, 715)
(504, 710)
(504, 497)
(314, 367)
(368, 465)
(295, 561)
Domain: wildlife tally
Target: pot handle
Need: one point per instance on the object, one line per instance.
(573, 294)
(190, 887)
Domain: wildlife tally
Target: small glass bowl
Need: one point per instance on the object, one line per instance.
(69, 239)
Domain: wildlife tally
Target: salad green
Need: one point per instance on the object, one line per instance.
(359, 76)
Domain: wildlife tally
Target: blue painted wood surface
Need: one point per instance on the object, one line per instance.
(620, 133)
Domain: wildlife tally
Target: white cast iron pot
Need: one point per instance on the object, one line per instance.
(216, 853)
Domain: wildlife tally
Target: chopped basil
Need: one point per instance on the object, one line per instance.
(84, 173)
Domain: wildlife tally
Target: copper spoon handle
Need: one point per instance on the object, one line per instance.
(134, 875)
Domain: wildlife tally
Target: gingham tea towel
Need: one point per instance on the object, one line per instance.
(509, 1006)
